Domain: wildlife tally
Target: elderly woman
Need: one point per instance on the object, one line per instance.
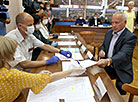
(130, 16)
(13, 81)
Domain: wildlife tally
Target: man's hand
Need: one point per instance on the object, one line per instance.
(67, 54)
(101, 53)
(102, 63)
(52, 60)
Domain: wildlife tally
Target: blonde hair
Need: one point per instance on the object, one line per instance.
(131, 2)
(7, 49)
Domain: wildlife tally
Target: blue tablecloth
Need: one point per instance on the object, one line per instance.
(73, 23)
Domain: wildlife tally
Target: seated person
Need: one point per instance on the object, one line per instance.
(39, 36)
(95, 21)
(44, 21)
(80, 21)
(13, 81)
(23, 34)
(117, 50)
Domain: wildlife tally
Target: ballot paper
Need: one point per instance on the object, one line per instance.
(74, 64)
(71, 89)
(99, 88)
(65, 43)
(64, 33)
(75, 56)
(66, 37)
(72, 50)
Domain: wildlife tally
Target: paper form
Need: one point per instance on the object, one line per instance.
(64, 33)
(60, 43)
(73, 64)
(71, 89)
(99, 88)
(66, 37)
(75, 56)
(72, 50)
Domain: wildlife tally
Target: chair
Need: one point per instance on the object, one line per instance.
(133, 90)
(88, 36)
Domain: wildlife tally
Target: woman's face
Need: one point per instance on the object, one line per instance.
(131, 6)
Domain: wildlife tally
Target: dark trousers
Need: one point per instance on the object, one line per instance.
(112, 73)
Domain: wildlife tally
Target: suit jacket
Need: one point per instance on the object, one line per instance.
(80, 21)
(122, 54)
(92, 21)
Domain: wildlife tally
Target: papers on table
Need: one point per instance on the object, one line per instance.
(75, 56)
(64, 43)
(71, 89)
(72, 50)
(99, 88)
(66, 37)
(73, 64)
(64, 33)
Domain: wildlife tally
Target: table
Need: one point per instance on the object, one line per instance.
(92, 72)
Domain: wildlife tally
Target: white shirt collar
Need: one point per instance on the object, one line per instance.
(119, 33)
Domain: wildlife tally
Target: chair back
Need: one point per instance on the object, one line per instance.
(133, 90)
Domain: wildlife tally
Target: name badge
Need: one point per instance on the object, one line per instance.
(79, 43)
(89, 54)
(83, 48)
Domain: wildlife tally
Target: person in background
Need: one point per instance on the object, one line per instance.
(130, 16)
(95, 20)
(117, 50)
(13, 81)
(23, 34)
(38, 35)
(51, 19)
(4, 18)
(44, 21)
(80, 21)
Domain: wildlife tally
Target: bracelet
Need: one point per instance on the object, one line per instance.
(108, 62)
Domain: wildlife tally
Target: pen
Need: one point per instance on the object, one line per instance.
(77, 62)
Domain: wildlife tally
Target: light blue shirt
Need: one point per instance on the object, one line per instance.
(2, 25)
(113, 41)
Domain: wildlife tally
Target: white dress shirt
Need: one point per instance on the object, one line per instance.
(25, 47)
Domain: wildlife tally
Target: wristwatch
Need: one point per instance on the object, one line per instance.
(108, 62)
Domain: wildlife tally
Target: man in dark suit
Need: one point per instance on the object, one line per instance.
(117, 50)
(95, 21)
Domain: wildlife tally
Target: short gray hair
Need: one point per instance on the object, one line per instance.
(121, 13)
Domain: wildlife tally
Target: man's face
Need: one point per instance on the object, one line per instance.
(29, 21)
(118, 23)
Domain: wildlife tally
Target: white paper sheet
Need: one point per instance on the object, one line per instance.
(99, 88)
(73, 64)
(79, 43)
(64, 43)
(83, 48)
(75, 56)
(71, 89)
(64, 33)
(89, 54)
(72, 50)
(66, 37)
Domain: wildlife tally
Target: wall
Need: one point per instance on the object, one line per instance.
(14, 8)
